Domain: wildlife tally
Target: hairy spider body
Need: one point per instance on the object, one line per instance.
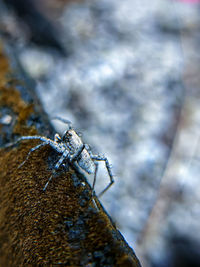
(72, 149)
(75, 144)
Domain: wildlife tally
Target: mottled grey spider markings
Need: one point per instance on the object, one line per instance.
(72, 149)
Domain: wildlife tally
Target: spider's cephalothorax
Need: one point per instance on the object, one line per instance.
(72, 149)
(78, 151)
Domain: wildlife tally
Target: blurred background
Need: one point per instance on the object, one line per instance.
(126, 73)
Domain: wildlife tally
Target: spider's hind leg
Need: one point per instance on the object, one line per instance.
(95, 176)
(108, 167)
(57, 166)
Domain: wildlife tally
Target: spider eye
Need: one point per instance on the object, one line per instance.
(66, 136)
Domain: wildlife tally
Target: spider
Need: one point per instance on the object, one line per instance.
(72, 149)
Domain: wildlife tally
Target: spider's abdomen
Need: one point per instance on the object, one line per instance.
(85, 162)
(74, 143)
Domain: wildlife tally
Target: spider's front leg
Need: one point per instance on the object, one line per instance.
(62, 120)
(30, 137)
(45, 141)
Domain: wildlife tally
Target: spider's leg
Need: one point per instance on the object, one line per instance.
(99, 158)
(31, 137)
(62, 120)
(75, 156)
(62, 158)
(95, 176)
(44, 139)
(31, 150)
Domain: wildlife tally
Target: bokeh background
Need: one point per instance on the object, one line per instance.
(126, 73)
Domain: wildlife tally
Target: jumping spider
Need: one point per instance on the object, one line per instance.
(72, 149)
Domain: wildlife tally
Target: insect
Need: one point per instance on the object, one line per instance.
(72, 149)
